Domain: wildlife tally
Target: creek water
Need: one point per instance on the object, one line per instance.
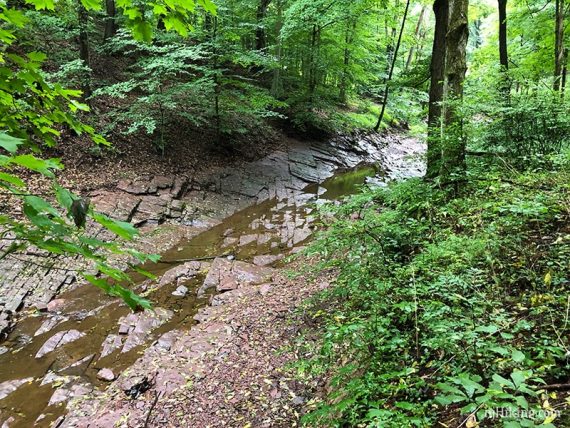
(29, 381)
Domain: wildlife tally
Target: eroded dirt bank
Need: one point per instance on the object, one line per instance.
(241, 303)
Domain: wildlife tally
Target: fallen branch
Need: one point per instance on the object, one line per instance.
(556, 387)
(156, 397)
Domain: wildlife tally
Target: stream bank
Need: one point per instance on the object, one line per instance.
(85, 340)
(169, 208)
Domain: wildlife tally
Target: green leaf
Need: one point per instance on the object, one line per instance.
(40, 205)
(10, 143)
(521, 401)
(132, 299)
(519, 376)
(209, 6)
(517, 356)
(43, 166)
(143, 272)
(502, 381)
(64, 196)
(12, 179)
(119, 228)
(91, 4)
(470, 386)
(142, 30)
(42, 4)
(98, 282)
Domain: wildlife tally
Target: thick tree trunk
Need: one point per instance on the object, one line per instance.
(453, 147)
(505, 83)
(417, 37)
(437, 69)
(110, 23)
(83, 18)
(559, 44)
(503, 53)
(391, 73)
(260, 38)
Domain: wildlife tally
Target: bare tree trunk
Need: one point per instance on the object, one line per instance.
(453, 147)
(564, 72)
(503, 53)
(559, 44)
(416, 37)
(504, 84)
(313, 63)
(276, 84)
(395, 57)
(260, 39)
(436, 89)
(83, 18)
(110, 23)
(350, 28)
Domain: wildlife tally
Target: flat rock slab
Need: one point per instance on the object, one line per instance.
(58, 340)
(6, 388)
(134, 330)
(266, 259)
(227, 275)
(68, 392)
(184, 271)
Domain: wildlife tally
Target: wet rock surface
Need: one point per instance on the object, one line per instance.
(237, 269)
(36, 278)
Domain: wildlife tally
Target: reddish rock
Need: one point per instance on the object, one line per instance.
(266, 259)
(56, 305)
(264, 289)
(226, 275)
(106, 374)
(186, 271)
(41, 307)
(58, 340)
(247, 239)
(142, 324)
(111, 344)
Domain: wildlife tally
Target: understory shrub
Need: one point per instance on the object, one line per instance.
(451, 311)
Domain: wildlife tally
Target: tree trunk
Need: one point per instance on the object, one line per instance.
(260, 39)
(559, 44)
(313, 63)
(350, 28)
(503, 53)
(110, 24)
(276, 84)
(416, 37)
(83, 18)
(395, 57)
(505, 83)
(453, 147)
(437, 69)
(564, 72)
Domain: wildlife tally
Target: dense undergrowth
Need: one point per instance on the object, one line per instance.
(446, 311)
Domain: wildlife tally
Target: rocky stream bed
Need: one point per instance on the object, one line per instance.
(76, 358)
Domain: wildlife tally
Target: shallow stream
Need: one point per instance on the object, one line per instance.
(36, 381)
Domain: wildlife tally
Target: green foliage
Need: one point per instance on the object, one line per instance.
(443, 308)
(33, 112)
(178, 81)
(528, 127)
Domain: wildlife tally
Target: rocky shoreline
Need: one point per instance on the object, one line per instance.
(276, 188)
(33, 279)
